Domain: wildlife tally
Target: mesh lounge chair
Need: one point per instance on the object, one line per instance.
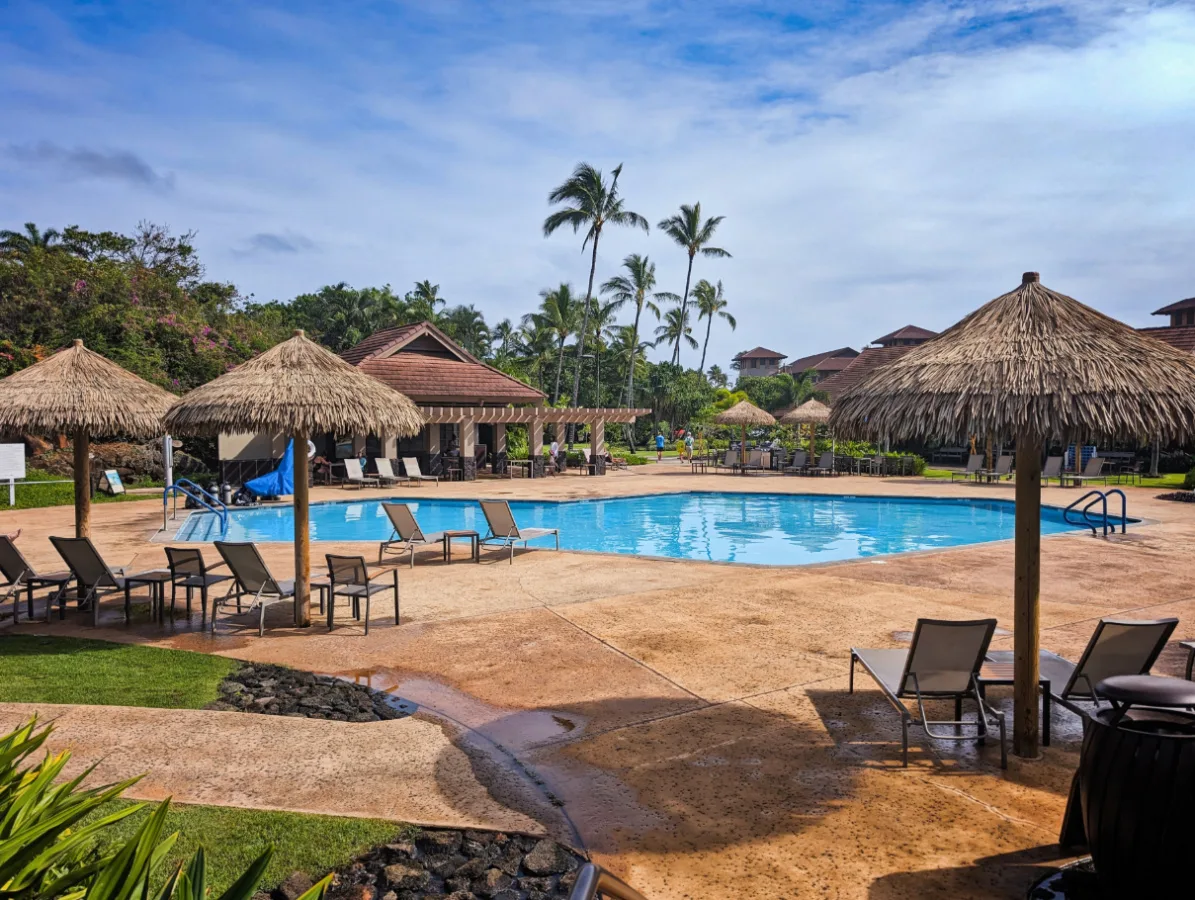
(941, 664)
(1093, 471)
(386, 471)
(825, 465)
(1052, 469)
(407, 533)
(974, 467)
(798, 464)
(411, 465)
(251, 578)
(1003, 469)
(754, 461)
(188, 570)
(350, 577)
(730, 460)
(504, 530)
(21, 576)
(95, 578)
(354, 477)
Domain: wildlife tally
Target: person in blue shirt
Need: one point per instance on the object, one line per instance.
(659, 447)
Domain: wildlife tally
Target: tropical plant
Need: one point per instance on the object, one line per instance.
(687, 229)
(466, 325)
(588, 202)
(676, 328)
(638, 288)
(710, 302)
(558, 314)
(775, 392)
(503, 334)
(717, 377)
(22, 243)
(423, 303)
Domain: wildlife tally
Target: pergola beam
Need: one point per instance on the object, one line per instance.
(526, 415)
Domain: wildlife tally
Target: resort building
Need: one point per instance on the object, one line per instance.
(467, 403)
(889, 347)
(822, 365)
(909, 336)
(760, 361)
(1181, 330)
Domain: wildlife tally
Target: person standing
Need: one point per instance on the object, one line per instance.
(689, 445)
(659, 446)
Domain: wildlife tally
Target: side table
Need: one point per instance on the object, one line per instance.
(474, 544)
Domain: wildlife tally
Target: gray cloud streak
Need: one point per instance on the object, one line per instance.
(84, 162)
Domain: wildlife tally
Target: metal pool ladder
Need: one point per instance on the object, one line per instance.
(191, 490)
(594, 881)
(1094, 498)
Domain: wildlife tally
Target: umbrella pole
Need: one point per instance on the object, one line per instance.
(82, 484)
(302, 539)
(743, 454)
(1026, 613)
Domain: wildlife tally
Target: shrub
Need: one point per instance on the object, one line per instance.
(1189, 481)
(634, 459)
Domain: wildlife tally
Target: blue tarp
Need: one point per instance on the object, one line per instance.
(280, 481)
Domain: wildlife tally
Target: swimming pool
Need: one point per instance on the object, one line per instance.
(767, 529)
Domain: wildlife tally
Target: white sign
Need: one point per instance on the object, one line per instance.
(12, 461)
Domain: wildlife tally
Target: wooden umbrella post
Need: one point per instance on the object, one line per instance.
(302, 537)
(1026, 589)
(82, 484)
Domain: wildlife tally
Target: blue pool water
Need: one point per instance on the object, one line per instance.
(768, 529)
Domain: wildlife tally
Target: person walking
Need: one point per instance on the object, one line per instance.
(689, 445)
(659, 446)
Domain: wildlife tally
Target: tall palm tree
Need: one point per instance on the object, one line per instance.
(591, 204)
(710, 303)
(503, 335)
(468, 327)
(423, 303)
(676, 328)
(717, 377)
(636, 287)
(687, 229)
(535, 347)
(631, 352)
(558, 314)
(21, 243)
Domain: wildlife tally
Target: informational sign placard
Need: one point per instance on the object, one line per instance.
(12, 467)
(110, 482)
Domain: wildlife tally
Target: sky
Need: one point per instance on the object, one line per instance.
(877, 163)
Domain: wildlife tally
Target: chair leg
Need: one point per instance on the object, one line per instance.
(261, 620)
(904, 741)
(331, 608)
(30, 607)
(202, 605)
(851, 688)
(367, 598)
(396, 596)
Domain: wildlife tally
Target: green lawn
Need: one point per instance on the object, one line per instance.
(1173, 480)
(47, 493)
(232, 838)
(36, 669)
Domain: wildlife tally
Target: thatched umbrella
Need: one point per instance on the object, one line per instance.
(744, 413)
(297, 388)
(811, 413)
(79, 392)
(1036, 365)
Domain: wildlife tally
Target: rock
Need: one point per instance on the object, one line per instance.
(457, 884)
(295, 885)
(389, 895)
(511, 861)
(405, 847)
(472, 847)
(405, 876)
(359, 892)
(263, 701)
(493, 881)
(262, 895)
(548, 858)
(461, 895)
(472, 869)
(446, 864)
(538, 884)
(438, 842)
(480, 837)
(508, 894)
(567, 880)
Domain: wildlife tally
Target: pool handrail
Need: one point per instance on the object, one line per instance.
(1093, 497)
(593, 881)
(191, 490)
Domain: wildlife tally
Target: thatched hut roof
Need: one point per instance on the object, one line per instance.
(1030, 360)
(297, 386)
(744, 413)
(811, 412)
(77, 389)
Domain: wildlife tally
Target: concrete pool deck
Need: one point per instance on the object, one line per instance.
(691, 717)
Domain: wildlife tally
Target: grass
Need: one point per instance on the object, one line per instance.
(48, 493)
(38, 669)
(1172, 480)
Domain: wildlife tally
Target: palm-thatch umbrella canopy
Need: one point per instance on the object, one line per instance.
(1036, 365)
(744, 413)
(298, 388)
(811, 413)
(79, 392)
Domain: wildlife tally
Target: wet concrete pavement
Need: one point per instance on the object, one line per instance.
(689, 723)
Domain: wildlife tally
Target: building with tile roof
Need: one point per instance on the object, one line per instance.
(909, 336)
(760, 361)
(822, 365)
(870, 359)
(1180, 332)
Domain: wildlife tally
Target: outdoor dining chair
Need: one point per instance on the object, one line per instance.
(407, 534)
(21, 576)
(504, 530)
(411, 465)
(252, 578)
(355, 477)
(350, 577)
(942, 663)
(188, 570)
(94, 577)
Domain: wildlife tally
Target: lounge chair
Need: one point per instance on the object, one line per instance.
(1117, 647)
(1003, 469)
(588, 466)
(942, 663)
(21, 576)
(1093, 471)
(386, 471)
(407, 533)
(251, 578)
(504, 530)
(799, 463)
(974, 467)
(354, 477)
(1052, 469)
(616, 462)
(730, 460)
(350, 577)
(411, 465)
(754, 462)
(188, 570)
(95, 578)
(825, 465)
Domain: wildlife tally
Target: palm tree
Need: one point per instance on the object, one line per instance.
(590, 203)
(676, 328)
(717, 377)
(468, 328)
(636, 287)
(558, 314)
(503, 335)
(626, 347)
(424, 301)
(535, 347)
(710, 303)
(21, 243)
(687, 229)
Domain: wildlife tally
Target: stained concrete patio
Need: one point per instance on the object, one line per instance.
(691, 718)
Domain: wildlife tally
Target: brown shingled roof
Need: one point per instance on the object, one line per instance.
(1182, 337)
(862, 365)
(759, 353)
(829, 361)
(424, 363)
(909, 332)
(1174, 307)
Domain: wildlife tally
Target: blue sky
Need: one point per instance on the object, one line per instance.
(877, 163)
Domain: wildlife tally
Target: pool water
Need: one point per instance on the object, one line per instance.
(767, 529)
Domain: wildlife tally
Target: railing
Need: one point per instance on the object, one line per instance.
(594, 881)
(1094, 497)
(192, 491)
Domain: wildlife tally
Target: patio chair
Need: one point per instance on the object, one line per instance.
(411, 465)
(350, 577)
(1117, 647)
(616, 462)
(754, 462)
(1052, 469)
(21, 576)
(504, 530)
(1093, 471)
(730, 460)
(1002, 470)
(386, 471)
(798, 464)
(407, 534)
(974, 467)
(825, 465)
(188, 570)
(942, 663)
(94, 577)
(354, 477)
(251, 578)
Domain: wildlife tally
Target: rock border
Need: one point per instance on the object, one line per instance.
(281, 691)
(1180, 496)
